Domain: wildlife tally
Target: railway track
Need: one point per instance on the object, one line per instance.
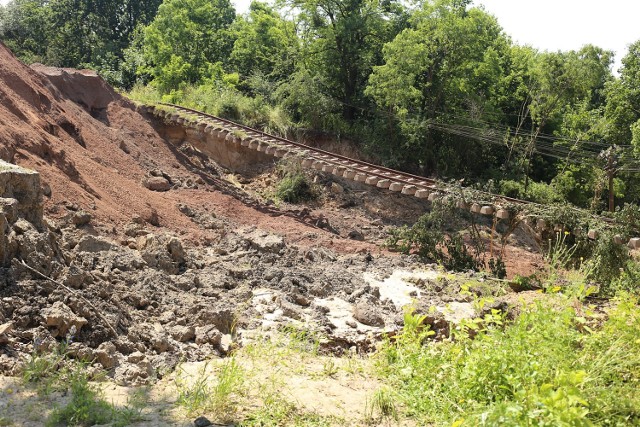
(357, 170)
(345, 167)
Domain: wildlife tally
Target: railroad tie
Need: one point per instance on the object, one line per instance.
(396, 186)
(383, 183)
(372, 180)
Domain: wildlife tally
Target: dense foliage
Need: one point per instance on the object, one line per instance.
(550, 367)
(434, 87)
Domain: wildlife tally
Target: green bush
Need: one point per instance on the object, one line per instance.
(548, 368)
(606, 262)
(53, 371)
(294, 189)
(428, 239)
(538, 192)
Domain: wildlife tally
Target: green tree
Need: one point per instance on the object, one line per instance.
(443, 69)
(623, 96)
(265, 43)
(75, 33)
(622, 114)
(25, 28)
(342, 41)
(185, 41)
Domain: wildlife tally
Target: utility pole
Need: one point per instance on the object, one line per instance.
(610, 156)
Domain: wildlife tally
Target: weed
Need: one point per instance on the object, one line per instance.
(54, 371)
(329, 367)
(217, 397)
(294, 185)
(383, 403)
(497, 268)
(429, 240)
(294, 189)
(87, 407)
(545, 368)
(559, 255)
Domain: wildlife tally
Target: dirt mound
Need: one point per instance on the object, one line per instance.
(84, 87)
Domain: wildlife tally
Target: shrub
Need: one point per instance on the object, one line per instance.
(54, 371)
(294, 188)
(294, 185)
(547, 368)
(429, 240)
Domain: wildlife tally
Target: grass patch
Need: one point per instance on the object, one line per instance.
(294, 185)
(54, 372)
(546, 368)
(217, 397)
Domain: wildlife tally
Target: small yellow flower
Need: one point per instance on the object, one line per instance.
(566, 233)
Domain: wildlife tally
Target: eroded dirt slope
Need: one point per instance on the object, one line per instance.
(157, 258)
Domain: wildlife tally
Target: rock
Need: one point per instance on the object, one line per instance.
(202, 422)
(208, 335)
(81, 218)
(77, 277)
(95, 244)
(183, 333)
(62, 318)
(22, 185)
(160, 343)
(157, 183)
(133, 374)
(265, 242)
(290, 310)
(135, 357)
(186, 210)
(336, 188)
(22, 226)
(301, 300)
(150, 216)
(356, 235)
(164, 253)
(226, 343)
(106, 355)
(124, 147)
(368, 314)
(80, 351)
(9, 208)
(46, 189)
(222, 318)
(5, 330)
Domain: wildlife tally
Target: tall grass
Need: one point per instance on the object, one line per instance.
(225, 102)
(216, 395)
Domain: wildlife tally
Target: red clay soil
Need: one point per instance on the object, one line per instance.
(93, 149)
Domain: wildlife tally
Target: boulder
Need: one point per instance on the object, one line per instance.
(5, 330)
(164, 252)
(106, 354)
(157, 183)
(94, 244)
(208, 335)
(367, 313)
(63, 319)
(81, 218)
(183, 333)
(265, 242)
(22, 185)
